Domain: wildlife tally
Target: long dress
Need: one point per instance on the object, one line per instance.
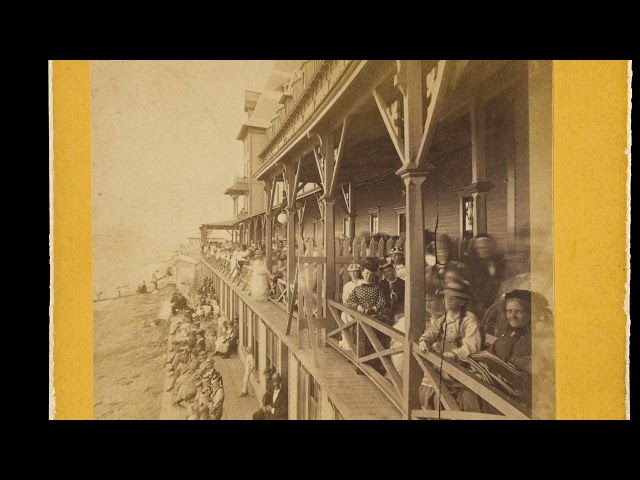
(345, 342)
(259, 283)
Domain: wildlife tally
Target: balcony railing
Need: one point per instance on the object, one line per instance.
(390, 379)
(319, 77)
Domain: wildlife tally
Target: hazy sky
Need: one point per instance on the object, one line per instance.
(164, 145)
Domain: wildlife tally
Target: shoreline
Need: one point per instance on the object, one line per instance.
(128, 362)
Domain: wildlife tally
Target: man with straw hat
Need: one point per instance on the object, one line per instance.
(456, 335)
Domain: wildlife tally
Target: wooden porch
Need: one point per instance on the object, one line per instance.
(355, 396)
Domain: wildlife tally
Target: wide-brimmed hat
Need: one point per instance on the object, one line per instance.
(458, 288)
(354, 267)
(397, 250)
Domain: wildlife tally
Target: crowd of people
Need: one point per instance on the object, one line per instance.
(202, 332)
(249, 259)
(458, 294)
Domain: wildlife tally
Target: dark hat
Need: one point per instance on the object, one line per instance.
(458, 288)
(395, 250)
(370, 265)
(276, 376)
(387, 263)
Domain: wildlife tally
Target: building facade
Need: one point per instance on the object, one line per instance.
(360, 156)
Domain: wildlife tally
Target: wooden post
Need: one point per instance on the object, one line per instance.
(329, 252)
(411, 85)
(328, 217)
(478, 167)
(414, 304)
(351, 207)
(268, 226)
(520, 157)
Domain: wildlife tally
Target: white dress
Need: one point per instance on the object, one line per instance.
(259, 282)
(345, 342)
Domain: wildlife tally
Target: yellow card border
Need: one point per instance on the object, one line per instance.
(590, 116)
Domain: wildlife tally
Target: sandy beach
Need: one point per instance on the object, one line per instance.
(128, 368)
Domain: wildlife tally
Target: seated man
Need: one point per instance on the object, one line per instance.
(277, 407)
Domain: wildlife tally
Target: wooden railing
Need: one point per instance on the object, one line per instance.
(430, 364)
(371, 330)
(374, 332)
(279, 293)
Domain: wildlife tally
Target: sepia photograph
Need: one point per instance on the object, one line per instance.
(323, 240)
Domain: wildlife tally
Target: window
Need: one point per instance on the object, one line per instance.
(272, 349)
(315, 399)
(373, 223)
(309, 395)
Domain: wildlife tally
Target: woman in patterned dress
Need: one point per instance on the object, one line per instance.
(369, 299)
(355, 272)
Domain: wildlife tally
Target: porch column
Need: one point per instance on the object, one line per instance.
(268, 244)
(479, 184)
(268, 224)
(235, 205)
(351, 207)
(291, 244)
(414, 304)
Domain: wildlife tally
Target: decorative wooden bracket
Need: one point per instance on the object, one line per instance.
(436, 89)
(338, 160)
(418, 133)
(398, 143)
(319, 160)
(301, 208)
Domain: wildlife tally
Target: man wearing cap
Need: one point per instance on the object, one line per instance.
(393, 288)
(397, 257)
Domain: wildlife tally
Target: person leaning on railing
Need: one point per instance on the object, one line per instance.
(507, 363)
(355, 272)
(456, 335)
(369, 299)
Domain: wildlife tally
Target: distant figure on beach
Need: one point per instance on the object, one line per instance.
(143, 287)
(154, 280)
